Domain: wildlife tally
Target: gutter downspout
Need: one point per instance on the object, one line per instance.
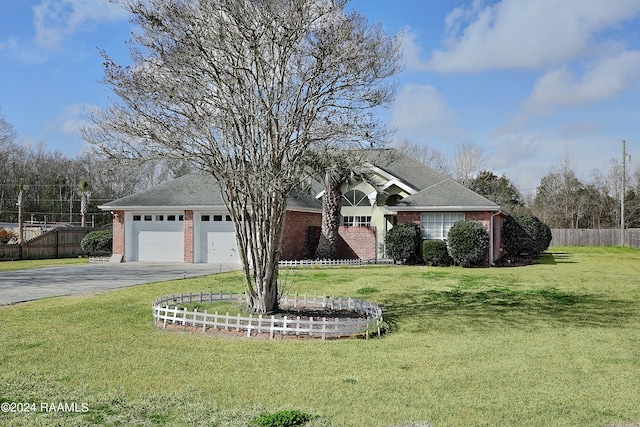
(491, 239)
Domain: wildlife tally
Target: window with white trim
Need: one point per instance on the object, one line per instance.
(356, 221)
(436, 225)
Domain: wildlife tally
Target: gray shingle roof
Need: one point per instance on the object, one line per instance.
(435, 190)
(196, 190)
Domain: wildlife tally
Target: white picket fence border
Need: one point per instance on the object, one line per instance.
(332, 262)
(169, 310)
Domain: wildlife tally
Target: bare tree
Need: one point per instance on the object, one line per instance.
(468, 161)
(243, 89)
(426, 155)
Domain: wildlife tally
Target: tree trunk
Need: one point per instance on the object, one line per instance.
(331, 205)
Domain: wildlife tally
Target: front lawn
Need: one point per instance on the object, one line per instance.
(39, 263)
(556, 343)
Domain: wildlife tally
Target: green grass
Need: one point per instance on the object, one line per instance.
(551, 344)
(39, 263)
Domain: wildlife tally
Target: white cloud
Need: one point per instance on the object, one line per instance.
(8, 44)
(528, 34)
(56, 20)
(605, 78)
(419, 111)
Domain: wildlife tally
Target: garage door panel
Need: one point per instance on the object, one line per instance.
(221, 247)
(163, 246)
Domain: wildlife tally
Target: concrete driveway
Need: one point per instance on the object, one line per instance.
(26, 285)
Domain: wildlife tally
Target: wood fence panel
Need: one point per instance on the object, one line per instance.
(57, 243)
(594, 237)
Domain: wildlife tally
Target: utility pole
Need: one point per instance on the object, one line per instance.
(624, 179)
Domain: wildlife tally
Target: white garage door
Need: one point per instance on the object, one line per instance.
(221, 247)
(217, 239)
(161, 246)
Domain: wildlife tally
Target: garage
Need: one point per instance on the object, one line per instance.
(217, 241)
(157, 237)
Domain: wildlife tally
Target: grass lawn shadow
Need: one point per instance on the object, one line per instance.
(497, 306)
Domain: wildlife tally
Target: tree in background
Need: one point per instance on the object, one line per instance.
(431, 157)
(22, 191)
(468, 161)
(243, 89)
(497, 189)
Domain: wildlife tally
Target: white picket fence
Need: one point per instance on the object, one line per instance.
(332, 262)
(169, 310)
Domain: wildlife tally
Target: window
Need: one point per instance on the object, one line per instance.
(137, 217)
(217, 218)
(171, 217)
(148, 217)
(228, 218)
(436, 225)
(205, 218)
(355, 198)
(159, 217)
(180, 217)
(356, 221)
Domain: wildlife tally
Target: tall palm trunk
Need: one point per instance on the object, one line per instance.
(331, 205)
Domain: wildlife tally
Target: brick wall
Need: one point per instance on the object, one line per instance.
(118, 232)
(411, 217)
(357, 243)
(296, 241)
(188, 236)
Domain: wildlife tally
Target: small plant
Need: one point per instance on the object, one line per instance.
(434, 252)
(468, 243)
(285, 418)
(97, 241)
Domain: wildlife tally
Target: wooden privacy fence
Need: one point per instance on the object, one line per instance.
(594, 237)
(170, 310)
(57, 243)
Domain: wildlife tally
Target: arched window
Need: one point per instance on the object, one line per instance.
(355, 198)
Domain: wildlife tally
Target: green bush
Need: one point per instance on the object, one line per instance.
(524, 236)
(97, 241)
(468, 243)
(286, 418)
(434, 252)
(403, 243)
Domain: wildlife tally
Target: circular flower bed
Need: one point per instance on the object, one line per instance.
(300, 317)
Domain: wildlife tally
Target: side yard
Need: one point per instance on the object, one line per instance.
(555, 343)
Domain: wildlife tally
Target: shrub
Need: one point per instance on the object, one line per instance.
(524, 235)
(468, 243)
(286, 418)
(434, 252)
(403, 243)
(97, 241)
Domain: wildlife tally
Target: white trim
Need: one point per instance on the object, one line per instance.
(393, 180)
(396, 208)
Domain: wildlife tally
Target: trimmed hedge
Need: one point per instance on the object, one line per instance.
(403, 243)
(98, 241)
(434, 252)
(468, 243)
(524, 236)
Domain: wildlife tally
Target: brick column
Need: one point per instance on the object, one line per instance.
(118, 232)
(188, 237)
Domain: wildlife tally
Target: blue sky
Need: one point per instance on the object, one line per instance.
(529, 81)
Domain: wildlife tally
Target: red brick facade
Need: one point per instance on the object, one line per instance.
(118, 232)
(357, 243)
(298, 239)
(494, 228)
(188, 236)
